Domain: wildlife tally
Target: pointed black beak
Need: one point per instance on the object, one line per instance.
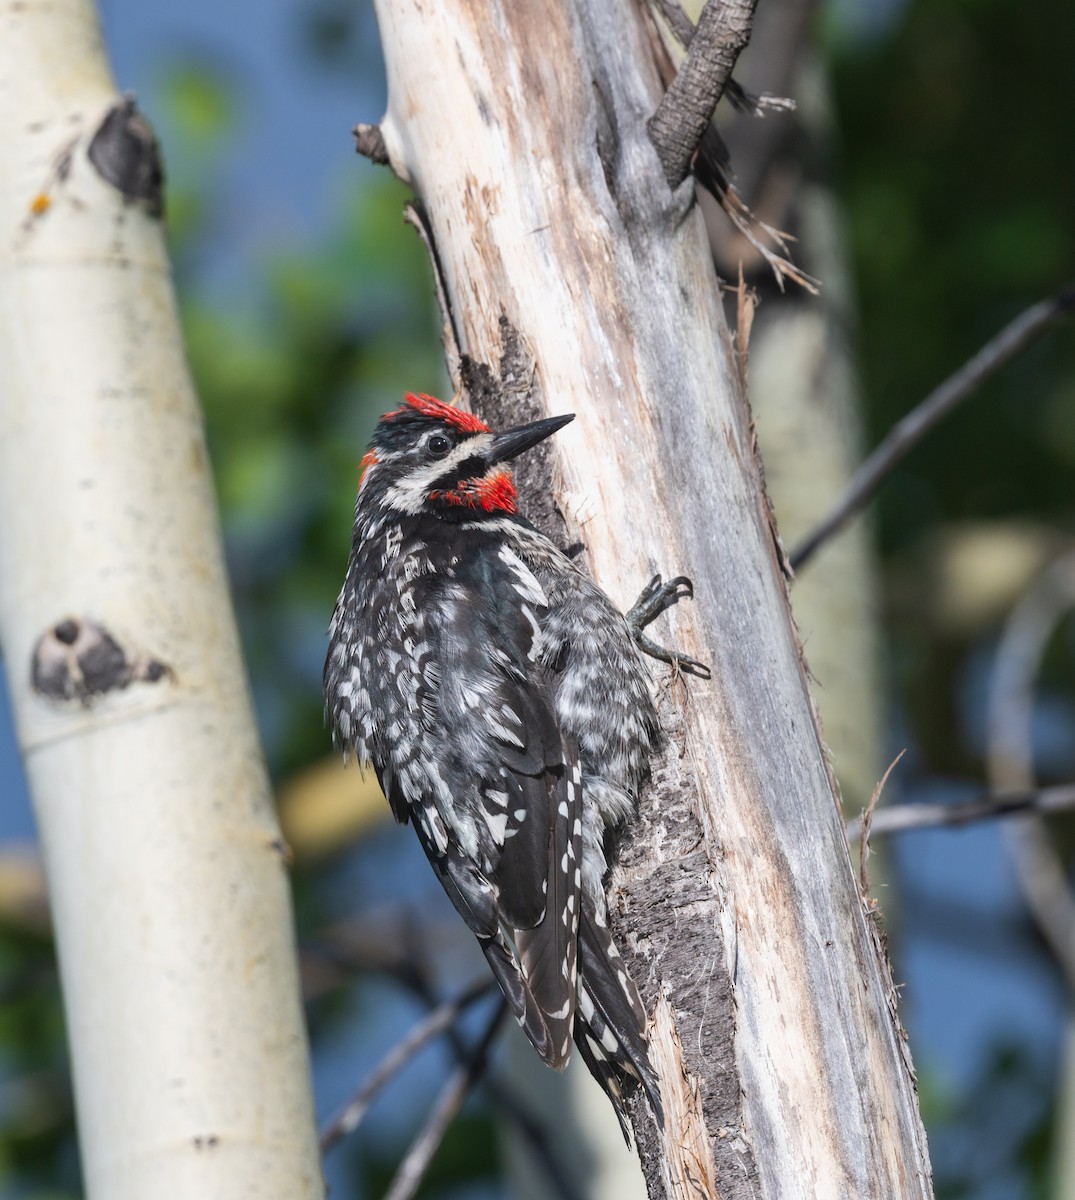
(514, 441)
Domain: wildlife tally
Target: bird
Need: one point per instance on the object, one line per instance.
(505, 705)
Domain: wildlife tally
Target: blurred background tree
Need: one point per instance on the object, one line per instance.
(308, 310)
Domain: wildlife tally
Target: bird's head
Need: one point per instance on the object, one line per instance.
(427, 456)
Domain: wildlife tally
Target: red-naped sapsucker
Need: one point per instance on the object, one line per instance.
(505, 706)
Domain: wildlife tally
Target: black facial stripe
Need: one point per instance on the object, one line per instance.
(469, 468)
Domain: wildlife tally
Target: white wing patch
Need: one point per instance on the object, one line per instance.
(526, 582)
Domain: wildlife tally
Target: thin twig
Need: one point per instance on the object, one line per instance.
(416, 1163)
(1020, 333)
(686, 109)
(901, 818)
(867, 823)
(440, 1019)
(414, 214)
(754, 229)
(507, 1104)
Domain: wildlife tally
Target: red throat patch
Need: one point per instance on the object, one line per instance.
(492, 493)
(431, 407)
(496, 492)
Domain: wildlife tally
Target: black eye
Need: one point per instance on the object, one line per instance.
(438, 445)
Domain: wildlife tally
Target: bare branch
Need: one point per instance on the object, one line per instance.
(901, 818)
(1042, 875)
(348, 1119)
(508, 1105)
(996, 353)
(682, 28)
(711, 161)
(414, 1166)
(683, 115)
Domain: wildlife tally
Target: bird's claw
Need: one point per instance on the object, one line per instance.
(655, 598)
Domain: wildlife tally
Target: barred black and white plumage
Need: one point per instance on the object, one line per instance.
(507, 711)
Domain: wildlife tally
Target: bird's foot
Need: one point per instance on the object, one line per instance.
(656, 597)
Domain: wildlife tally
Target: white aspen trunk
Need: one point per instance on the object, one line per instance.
(574, 281)
(166, 870)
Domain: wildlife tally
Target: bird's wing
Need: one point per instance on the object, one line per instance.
(502, 819)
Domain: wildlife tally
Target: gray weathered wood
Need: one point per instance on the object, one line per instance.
(576, 281)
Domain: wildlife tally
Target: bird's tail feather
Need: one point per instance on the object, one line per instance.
(543, 1032)
(610, 1021)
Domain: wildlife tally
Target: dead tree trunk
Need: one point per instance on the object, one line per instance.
(573, 279)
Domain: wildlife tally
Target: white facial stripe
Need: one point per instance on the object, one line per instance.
(409, 493)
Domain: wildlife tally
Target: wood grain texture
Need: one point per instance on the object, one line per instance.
(577, 282)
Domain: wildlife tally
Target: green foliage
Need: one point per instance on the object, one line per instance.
(956, 132)
(956, 155)
(197, 119)
(323, 339)
(994, 1139)
(37, 1146)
